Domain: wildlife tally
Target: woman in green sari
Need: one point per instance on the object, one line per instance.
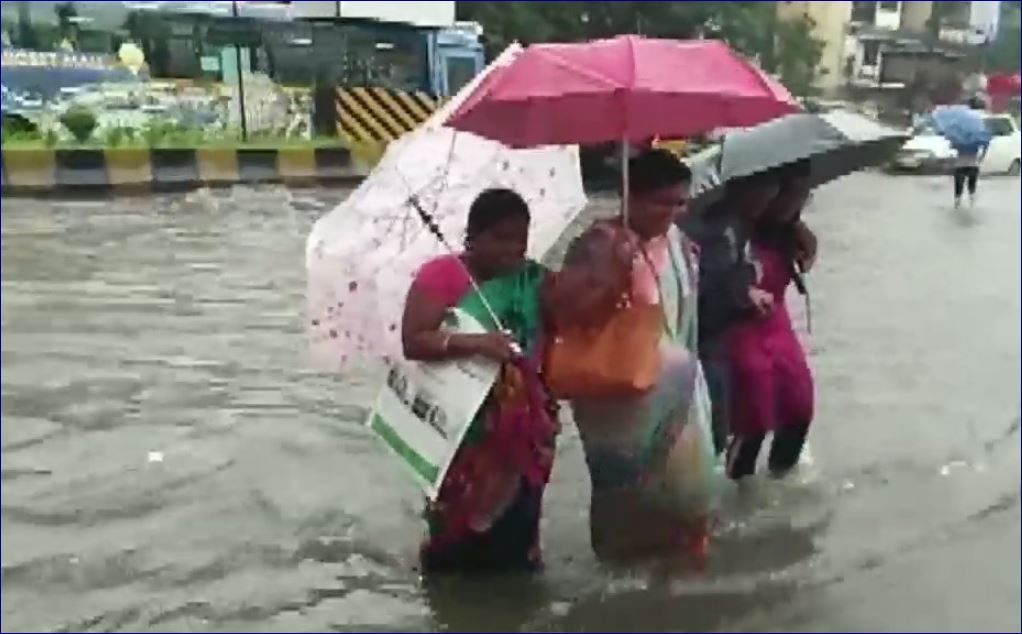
(486, 516)
(650, 455)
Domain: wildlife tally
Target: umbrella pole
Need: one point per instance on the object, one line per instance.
(434, 228)
(625, 185)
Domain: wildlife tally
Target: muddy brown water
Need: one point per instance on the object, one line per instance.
(170, 463)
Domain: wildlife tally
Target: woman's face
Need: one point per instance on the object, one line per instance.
(501, 248)
(650, 215)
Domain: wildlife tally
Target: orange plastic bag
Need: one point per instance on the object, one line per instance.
(619, 358)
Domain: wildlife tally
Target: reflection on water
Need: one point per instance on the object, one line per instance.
(169, 461)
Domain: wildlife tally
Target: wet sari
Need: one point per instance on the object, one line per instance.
(650, 456)
(486, 516)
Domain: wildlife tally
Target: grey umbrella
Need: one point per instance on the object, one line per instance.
(837, 143)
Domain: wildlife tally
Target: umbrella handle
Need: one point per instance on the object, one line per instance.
(803, 290)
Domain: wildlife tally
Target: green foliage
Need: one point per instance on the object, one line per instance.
(162, 132)
(14, 136)
(531, 22)
(1003, 54)
(80, 122)
(168, 133)
(18, 126)
(156, 133)
(797, 56)
(119, 135)
(749, 27)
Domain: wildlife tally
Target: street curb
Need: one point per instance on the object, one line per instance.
(46, 172)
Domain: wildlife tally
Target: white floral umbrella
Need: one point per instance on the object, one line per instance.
(361, 257)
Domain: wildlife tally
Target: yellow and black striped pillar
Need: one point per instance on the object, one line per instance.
(370, 118)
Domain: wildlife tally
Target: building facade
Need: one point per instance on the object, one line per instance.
(878, 44)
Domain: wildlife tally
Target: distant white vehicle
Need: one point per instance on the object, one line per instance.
(928, 151)
(1005, 152)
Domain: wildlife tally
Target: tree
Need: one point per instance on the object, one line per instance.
(531, 22)
(749, 27)
(797, 56)
(1003, 54)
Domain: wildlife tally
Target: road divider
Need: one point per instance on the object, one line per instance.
(35, 172)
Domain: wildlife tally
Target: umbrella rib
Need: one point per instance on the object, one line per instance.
(560, 61)
(447, 169)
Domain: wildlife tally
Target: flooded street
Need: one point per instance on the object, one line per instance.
(171, 463)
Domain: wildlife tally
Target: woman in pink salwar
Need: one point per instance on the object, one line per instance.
(770, 384)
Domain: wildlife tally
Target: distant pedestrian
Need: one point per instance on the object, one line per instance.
(966, 172)
(966, 175)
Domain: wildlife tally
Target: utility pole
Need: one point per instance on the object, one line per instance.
(241, 80)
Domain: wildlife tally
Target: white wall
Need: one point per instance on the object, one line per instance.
(984, 18)
(419, 13)
(888, 18)
(427, 13)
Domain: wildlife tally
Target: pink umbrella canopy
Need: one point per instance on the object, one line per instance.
(627, 88)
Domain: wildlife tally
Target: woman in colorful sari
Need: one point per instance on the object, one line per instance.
(486, 517)
(650, 455)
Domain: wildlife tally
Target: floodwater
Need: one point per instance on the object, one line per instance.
(169, 462)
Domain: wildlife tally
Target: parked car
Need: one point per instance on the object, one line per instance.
(928, 151)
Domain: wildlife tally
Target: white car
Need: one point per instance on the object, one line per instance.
(1005, 152)
(928, 151)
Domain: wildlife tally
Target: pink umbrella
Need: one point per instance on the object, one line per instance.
(624, 89)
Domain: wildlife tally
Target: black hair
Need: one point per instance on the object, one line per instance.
(493, 206)
(655, 169)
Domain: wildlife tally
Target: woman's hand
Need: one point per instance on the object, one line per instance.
(424, 340)
(495, 346)
(762, 301)
(806, 246)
